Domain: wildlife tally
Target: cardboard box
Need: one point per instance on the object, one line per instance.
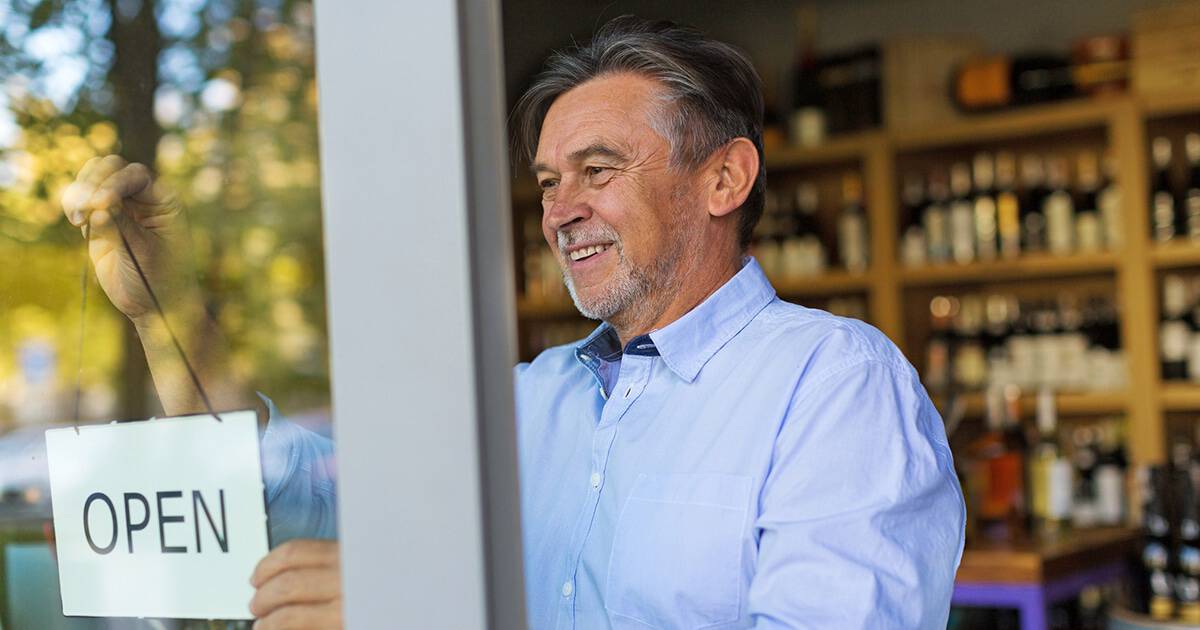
(916, 78)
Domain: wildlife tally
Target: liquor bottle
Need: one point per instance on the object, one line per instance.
(962, 214)
(1156, 527)
(1187, 556)
(1162, 199)
(1089, 235)
(852, 225)
(936, 218)
(1072, 344)
(939, 353)
(970, 358)
(1084, 459)
(803, 252)
(1050, 472)
(1109, 203)
(984, 173)
(997, 465)
(807, 123)
(1191, 198)
(914, 250)
(997, 331)
(1110, 476)
(1174, 332)
(814, 246)
(1034, 193)
(1059, 209)
(1008, 206)
(767, 237)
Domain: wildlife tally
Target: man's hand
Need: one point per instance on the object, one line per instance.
(111, 197)
(299, 585)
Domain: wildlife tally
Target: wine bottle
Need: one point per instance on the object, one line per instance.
(984, 175)
(1109, 203)
(852, 225)
(914, 250)
(1191, 198)
(1059, 209)
(1162, 198)
(1008, 206)
(962, 214)
(1089, 235)
(1034, 193)
(936, 218)
(1174, 331)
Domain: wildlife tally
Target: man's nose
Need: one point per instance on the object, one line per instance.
(569, 206)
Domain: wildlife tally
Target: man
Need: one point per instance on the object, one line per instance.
(710, 456)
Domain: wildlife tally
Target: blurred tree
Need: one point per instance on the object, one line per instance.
(220, 96)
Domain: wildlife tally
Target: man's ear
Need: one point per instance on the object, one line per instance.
(735, 167)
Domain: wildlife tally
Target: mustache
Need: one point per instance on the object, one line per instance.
(567, 238)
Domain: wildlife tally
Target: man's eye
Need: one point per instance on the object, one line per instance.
(547, 184)
(598, 174)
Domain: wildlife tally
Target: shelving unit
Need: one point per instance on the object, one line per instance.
(1123, 122)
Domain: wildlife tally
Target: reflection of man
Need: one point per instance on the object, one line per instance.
(710, 456)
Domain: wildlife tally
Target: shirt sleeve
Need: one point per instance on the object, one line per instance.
(300, 479)
(861, 516)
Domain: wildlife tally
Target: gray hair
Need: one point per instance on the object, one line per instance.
(712, 92)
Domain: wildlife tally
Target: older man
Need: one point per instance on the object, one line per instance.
(710, 456)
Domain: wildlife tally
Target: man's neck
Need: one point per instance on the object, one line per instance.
(675, 302)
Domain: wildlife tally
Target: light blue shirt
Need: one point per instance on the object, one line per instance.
(752, 464)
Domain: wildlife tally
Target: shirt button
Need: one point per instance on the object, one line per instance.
(628, 391)
(595, 480)
(568, 588)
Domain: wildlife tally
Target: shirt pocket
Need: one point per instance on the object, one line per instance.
(677, 552)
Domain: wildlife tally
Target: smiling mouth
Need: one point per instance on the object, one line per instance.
(588, 252)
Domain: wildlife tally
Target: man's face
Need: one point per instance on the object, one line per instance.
(614, 213)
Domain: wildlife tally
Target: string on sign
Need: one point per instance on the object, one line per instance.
(158, 308)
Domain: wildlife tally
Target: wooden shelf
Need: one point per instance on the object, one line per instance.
(1169, 104)
(830, 283)
(1038, 560)
(1067, 404)
(837, 150)
(1180, 397)
(1177, 254)
(1018, 123)
(545, 309)
(1026, 267)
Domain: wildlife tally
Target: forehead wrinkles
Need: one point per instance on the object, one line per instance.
(625, 110)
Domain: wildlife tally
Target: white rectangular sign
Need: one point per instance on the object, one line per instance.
(161, 518)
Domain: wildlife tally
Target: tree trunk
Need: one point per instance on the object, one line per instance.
(134, 78)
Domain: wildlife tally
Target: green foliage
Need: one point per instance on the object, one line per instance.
(237, 105)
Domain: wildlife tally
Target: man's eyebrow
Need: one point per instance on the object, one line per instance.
(597, 149)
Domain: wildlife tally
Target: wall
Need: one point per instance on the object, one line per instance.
(766, 29)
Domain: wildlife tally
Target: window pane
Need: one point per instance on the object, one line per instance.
(219, 98)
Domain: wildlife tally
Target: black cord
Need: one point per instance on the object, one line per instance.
(163, 314)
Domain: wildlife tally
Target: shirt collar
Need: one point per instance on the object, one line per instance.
(687, 343)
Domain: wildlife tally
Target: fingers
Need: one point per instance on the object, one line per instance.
(296, 587)
(78, 195)
(102, 186)
(323, 616)
(295, 554)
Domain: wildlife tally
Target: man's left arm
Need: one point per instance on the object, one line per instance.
(861, 517)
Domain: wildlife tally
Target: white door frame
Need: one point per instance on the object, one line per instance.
(421, 312)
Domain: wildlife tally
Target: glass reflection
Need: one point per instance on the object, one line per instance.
(219, 97)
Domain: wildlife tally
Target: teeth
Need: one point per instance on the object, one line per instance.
(580, 254)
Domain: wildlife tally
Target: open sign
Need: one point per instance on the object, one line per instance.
(162, 518)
